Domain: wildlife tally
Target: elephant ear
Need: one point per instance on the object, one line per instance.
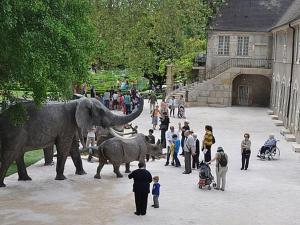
(83, 114)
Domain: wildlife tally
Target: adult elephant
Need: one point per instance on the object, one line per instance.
(54, 123)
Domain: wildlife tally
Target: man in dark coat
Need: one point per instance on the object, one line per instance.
(141, 188)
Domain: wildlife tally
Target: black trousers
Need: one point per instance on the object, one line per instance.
(245, 159)
(163, 137)
(263, 149)
(182, 144)
(195, 161)
(207, 156)
(141, 200)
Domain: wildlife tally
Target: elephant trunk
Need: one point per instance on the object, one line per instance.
(116, 120)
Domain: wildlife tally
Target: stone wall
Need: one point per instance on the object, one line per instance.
(218, 91)
(260, 46)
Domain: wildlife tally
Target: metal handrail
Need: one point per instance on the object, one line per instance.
(239, 62)
(232, 62)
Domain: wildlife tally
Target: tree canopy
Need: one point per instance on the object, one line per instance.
(146, 34)
(45, 45)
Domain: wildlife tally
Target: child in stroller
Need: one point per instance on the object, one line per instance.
(205, 176)
(181, 111)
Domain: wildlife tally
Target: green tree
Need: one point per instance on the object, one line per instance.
(146, 34)
(45, 45)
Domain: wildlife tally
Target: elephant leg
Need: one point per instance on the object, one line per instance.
(142, 160)
(117, 170)
(48, 155)
(99, 168)
(22, 172)
(63, 149)
(127, 167)
(76, 158)
(6, 160)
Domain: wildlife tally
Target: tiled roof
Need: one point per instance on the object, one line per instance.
(250, 15)
(292, 13)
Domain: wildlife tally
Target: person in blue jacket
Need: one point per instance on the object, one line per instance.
(176, 142)
(155, 192)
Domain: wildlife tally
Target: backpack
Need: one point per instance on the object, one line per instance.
(213, 139)
(223, 160)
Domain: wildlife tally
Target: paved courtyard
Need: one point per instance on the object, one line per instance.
(267, 194)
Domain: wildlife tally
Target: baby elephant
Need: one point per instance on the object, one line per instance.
(121, 150)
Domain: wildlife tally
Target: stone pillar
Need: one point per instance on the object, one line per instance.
(170, 78)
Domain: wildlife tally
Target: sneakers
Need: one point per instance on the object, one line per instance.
(166, 164)
(216, 188)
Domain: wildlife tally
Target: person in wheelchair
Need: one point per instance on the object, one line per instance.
(269, 144)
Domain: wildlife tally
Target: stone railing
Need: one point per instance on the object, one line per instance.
(239, 62)
(233, 62)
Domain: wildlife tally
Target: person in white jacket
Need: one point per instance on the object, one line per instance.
(169, 141)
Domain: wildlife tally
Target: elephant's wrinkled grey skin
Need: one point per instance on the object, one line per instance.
(48, 156)
(54, 123)
(121, 150)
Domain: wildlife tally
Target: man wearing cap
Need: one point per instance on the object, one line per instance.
(141, 188)
(221, 170)
(188, 151)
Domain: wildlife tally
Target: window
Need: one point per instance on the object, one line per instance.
(223, 48)
(243, 46)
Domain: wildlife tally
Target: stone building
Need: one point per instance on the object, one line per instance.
(286, 71)
(239, 55)
(253, 59)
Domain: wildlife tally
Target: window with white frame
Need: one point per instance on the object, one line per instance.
(243, 46)
(223, 47)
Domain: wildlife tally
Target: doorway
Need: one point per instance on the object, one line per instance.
(243, 95)
(251, 90)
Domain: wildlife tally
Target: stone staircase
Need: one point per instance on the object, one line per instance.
(215, 90)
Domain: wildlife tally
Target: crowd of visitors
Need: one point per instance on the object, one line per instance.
(113, 99)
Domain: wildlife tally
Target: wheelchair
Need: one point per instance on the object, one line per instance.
(271, 153)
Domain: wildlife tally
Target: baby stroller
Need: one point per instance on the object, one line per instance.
(181, 111)
(205, 176)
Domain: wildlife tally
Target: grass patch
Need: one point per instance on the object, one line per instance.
(104, 80)
(30, 158)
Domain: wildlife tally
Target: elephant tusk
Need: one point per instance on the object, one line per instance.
(116, 134)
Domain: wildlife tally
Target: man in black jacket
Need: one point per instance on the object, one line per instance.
(141, 188)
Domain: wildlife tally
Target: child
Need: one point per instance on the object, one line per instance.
(155, 192)
(155, 115)
(91, 141)
(151, 140)
(176, 144)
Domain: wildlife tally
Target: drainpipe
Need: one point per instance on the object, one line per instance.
(292, 68)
